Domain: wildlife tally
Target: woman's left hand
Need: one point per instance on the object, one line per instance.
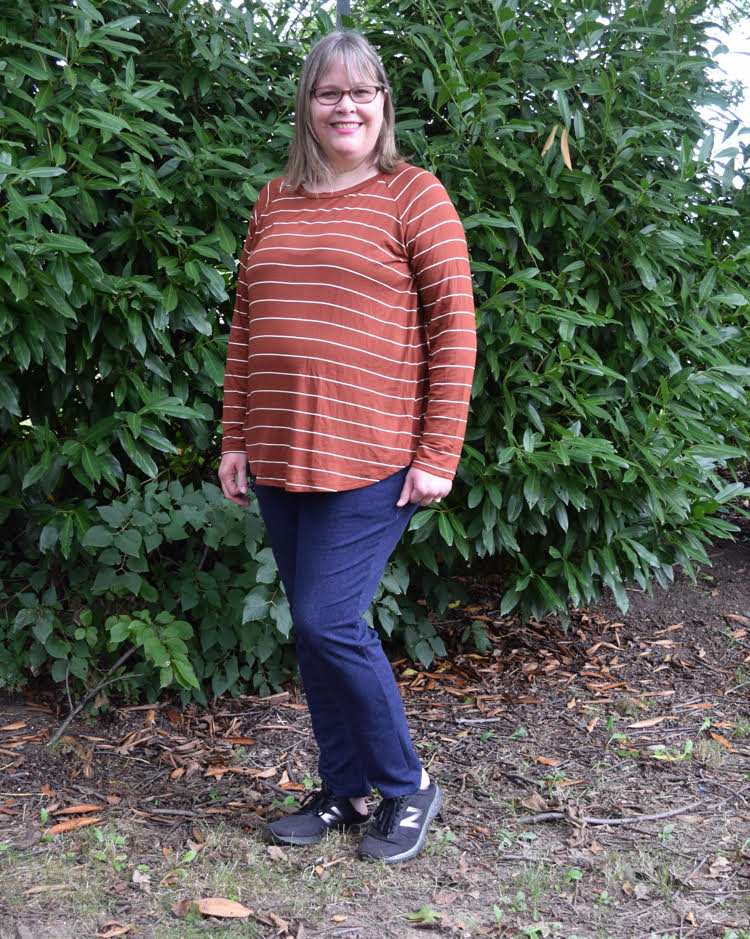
(423, 487)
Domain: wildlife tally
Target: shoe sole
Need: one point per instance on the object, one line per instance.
(432, 811)
(299, 840)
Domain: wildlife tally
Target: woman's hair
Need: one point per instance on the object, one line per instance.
(307, 164)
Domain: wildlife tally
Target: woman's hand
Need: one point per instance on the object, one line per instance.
(233, 477)
(423, 487)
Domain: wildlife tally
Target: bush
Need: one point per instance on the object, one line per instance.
(610, 261)
(610, 253)
(135, 138)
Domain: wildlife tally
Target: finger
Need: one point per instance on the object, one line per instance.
(406, 493)
(228, 485)
(242, 479)
(234, 495)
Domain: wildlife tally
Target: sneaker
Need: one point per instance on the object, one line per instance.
(399, 826)
(321, 811)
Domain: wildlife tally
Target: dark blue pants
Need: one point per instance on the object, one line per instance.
(331, 549)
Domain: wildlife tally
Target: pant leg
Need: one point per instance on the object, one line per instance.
(281, 510)
(344, 541)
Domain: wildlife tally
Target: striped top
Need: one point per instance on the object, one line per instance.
(353, 340)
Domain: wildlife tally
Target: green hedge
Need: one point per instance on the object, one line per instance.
(611, 395)
(611, 284)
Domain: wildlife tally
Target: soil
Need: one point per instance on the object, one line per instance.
(597, 783)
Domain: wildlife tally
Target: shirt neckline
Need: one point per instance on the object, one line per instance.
(341, 192)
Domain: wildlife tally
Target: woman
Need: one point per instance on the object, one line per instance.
(347, 386)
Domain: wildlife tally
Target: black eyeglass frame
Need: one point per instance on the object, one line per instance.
(347, 91)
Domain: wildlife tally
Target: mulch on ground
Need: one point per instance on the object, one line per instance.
(555, 747)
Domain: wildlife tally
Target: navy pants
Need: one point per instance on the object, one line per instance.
(331, 549)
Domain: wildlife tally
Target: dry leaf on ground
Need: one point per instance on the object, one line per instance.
(79, 809)
(649, 722)
(535, 803)
(214, 906)
(71, 824)
(112, 928)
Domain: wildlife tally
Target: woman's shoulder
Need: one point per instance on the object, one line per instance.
(271, 192)
(271, 189)
(406, 174)
(409, 182)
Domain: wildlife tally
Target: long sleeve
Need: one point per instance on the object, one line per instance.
(236, 371)
(436, 246)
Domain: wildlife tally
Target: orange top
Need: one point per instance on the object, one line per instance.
(353, 340)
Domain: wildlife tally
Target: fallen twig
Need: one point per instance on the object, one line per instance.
(720, 899)
(534, 859)
(694, 871)
(588, 820)
(702, 663)
(714, 782)
(92, 694)
(186, 812)
(479, 720)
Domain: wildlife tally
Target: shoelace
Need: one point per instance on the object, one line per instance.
(316, 801)
(388, 814)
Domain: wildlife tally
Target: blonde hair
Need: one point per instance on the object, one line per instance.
(307, 164)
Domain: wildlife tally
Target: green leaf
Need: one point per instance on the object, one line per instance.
(119, 629)
(445, 528)
(129, 541)
(155, 651)
(425, 915)
(89, 10)
(428, 83)
(58, 648)
(169, 298)
(34, 475)
(255, 606)
(42, 629)
(98, 537)
(70, 244)
(184, 672)
(423, 652)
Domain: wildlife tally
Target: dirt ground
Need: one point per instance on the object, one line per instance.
(597, 784)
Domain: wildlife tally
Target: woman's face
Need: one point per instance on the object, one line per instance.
(346, 131)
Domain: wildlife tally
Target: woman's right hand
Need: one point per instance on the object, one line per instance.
(233, 477)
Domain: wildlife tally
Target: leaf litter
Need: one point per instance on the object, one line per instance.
(597, 783)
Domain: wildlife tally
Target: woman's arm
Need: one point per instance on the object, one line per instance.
(233, 472)
(438, 256)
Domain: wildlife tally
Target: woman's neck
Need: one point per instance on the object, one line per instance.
(345, 178)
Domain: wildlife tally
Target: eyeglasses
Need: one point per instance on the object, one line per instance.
(361, 94)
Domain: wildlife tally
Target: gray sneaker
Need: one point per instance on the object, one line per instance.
(321, 811)
(399, 826)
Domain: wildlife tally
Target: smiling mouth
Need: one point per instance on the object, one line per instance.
(346, 124)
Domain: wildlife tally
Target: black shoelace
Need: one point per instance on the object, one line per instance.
(316, 801)
(388, 814)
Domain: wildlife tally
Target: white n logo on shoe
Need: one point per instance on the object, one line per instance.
(411, 818)
(332, 815)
